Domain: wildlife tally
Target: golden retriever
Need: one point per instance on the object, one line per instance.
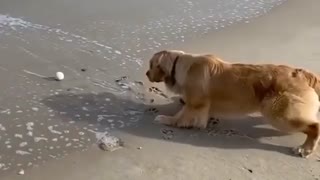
(287, 97)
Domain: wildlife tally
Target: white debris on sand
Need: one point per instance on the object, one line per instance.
(21, 172)
(107, 142)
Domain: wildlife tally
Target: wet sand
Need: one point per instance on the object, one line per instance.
(48, 127)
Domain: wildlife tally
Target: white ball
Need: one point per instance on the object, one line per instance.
(59, 76)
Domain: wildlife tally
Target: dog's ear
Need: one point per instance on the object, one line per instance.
(164, 61)
(159, 56)
(163, 52)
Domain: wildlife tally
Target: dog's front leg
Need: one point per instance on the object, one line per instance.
(194, 115)
(169, 120)
(189, 116)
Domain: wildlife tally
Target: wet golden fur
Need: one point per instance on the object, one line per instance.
(286, 96)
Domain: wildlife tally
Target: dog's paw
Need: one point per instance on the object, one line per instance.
(162, 119)
(184, 124)
(302, 151)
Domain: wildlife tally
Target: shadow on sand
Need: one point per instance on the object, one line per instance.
(108, 111)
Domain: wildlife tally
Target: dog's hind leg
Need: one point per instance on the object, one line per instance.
(311, 142)
(292, 113)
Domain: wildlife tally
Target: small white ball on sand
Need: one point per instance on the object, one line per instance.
(59, 76)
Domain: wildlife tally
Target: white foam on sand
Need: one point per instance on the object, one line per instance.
(50, 128)
(2, 128)
(37, 139)
(12, 22)
(29, 126)
(20, 152)
(17, 24)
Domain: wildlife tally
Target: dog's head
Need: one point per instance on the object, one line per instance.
(161, 64)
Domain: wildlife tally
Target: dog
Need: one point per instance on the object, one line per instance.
(287, 97)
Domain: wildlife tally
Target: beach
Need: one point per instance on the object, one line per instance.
(49, 129)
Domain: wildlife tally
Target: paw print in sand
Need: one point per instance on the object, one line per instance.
(157, 91)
